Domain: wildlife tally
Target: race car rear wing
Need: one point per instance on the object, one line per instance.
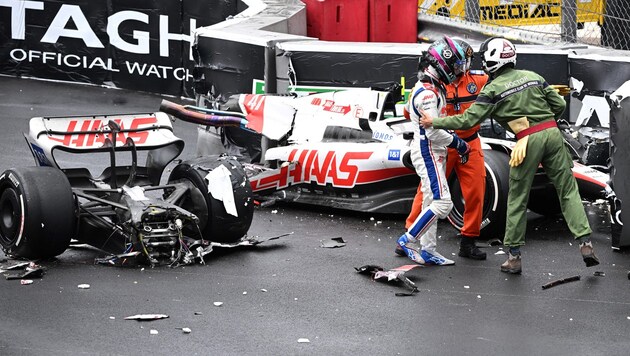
(106, 133)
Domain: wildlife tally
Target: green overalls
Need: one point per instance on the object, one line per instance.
(511, 95)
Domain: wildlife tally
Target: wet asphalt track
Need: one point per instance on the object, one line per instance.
(292, 288)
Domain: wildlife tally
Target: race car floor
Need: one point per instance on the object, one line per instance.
(293, 295)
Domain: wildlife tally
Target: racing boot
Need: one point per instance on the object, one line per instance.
(513, 263)
(588, 255)
(468, 249)
(407, 244)
(434, 258)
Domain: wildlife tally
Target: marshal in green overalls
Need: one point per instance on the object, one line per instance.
(514, 94)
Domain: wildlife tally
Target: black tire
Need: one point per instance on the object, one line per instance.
(216, 223)
(37, 212)
(544, 201)
(495, 198)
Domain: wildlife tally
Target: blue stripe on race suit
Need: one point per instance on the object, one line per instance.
(429, 164)
(415, 109)
(427, 154)
(422, 223)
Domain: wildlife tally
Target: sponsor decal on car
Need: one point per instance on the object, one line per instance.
(40, 156)
(393, 155)
(81, 133)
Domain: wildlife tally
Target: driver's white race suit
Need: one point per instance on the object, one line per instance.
(428, 154)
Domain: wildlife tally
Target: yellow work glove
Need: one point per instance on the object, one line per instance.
(519, 152)
(563, 90)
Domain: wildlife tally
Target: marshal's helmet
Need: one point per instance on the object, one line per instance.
(469, 53)
(447, 57)
(497, 52)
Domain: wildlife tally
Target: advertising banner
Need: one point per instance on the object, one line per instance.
(133, 44)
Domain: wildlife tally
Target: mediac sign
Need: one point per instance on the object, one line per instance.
(514, 13)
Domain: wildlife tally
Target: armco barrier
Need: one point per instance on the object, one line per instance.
(337, 20)
(393, 21)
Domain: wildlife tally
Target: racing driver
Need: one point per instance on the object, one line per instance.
(472, 176)
(428, 152)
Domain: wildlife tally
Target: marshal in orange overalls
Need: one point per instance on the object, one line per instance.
(472, 175)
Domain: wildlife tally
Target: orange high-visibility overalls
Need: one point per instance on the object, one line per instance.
(472, 175)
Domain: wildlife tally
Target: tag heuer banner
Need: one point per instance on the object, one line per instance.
(133, 44)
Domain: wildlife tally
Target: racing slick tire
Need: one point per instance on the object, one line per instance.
(495, 198)
(37, 212)
(544, 201)
(215, 222)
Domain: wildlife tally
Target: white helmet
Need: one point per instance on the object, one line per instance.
(496, 52)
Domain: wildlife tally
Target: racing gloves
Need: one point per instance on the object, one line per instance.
(462, 147)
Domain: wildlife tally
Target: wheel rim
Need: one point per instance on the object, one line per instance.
(10, 213)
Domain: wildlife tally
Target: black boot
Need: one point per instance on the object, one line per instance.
(468, 249)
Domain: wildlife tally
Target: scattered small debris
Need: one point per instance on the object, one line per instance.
(147, 317)
(467, 287)
(31, 271)
(198, 313)
(397, 273)
(493, 242)
(186, 330)
(26, 282)
(112, 318)
(153, 332)
(245, 293)
(478, 296)
(500, 252)
(263, 290)
(197, 250)
(218, 304)
(560, 281)
(116, 260)
(303, 340)
(16, 266)
(334, 243)
(83, 286)
(599, 274)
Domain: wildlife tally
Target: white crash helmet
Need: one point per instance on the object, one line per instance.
(496, 52)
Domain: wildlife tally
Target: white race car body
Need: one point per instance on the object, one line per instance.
(350, 149)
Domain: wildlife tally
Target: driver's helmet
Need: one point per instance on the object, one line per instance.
(497, 52)
(447, 58)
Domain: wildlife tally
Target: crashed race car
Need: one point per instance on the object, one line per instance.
(349, 149)
(127, 210)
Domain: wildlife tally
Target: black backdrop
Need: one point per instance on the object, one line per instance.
(132, 44)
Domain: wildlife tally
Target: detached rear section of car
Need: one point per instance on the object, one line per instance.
(128, 208)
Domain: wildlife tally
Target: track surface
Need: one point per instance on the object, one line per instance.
(292, 288)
